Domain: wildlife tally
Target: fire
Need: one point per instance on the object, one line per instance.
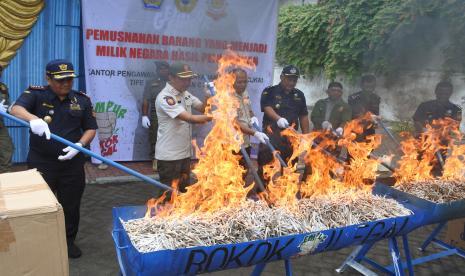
(362, 169)
(422, 154)
(220, 183)
(329, 174)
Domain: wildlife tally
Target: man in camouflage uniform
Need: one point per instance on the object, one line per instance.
(149, 113)
(331, 113)
(6, 144)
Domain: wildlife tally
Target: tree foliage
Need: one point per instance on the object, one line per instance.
(346, 37)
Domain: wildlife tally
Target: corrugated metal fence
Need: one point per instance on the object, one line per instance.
(57, 34)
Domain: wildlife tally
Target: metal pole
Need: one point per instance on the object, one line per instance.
(388, 132)
(372, 155)
(96, 156)
(272, 148)
(258, 181)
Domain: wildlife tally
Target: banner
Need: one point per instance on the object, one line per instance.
(123, 39)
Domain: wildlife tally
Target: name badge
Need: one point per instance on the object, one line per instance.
(74, 106)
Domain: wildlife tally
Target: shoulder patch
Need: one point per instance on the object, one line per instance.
(354, 96)
(83, 94)
(169, 100)
(37, 87)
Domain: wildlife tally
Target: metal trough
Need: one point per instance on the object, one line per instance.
(437, 212)
(195, 260)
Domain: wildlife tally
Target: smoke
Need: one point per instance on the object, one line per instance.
(417, 51)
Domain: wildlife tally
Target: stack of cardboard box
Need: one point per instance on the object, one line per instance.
(32, 229)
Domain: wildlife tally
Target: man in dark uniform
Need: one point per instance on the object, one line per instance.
(437, 109)
(283, 105)
(67, 113)
(365, 101)
(7, 148)
(149, 119)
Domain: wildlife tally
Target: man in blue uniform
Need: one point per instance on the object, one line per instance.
(58, 109)
(283, 105)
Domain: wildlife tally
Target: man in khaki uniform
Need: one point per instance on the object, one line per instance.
(149, 114)
(174, 111)
(6, 144)
(245, 115)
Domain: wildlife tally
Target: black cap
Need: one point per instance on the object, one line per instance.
(290, 70)
(445, 84)
(335, 85)
(60, 69)
(162, 63)
(182, 70)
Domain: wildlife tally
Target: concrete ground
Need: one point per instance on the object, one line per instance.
(99, 254)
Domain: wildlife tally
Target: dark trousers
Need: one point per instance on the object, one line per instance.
(172, 170)
(242, 161)
(153, 129)
(67, 180)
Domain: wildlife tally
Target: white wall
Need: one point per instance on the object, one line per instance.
(399, 99)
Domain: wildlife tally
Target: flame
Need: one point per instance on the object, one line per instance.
(421, 154)
(362, 169)
(220, 183)
(329, 174)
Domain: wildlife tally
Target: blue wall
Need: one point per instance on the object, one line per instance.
(56, 34)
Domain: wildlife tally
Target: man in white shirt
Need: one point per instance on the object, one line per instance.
(174, 111)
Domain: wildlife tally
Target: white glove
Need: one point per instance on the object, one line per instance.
(207, 87)
(262, 137)
(40, 127)
(70, 153)
(339, 131)
(145, 122)
(3, 107)
(282, 123)
(387, 159)
(326, 125)
(375, 118)
(253, 121)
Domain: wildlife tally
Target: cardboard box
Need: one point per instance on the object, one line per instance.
(456, 233)
(32, 228)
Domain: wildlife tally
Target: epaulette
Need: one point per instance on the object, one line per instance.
(265, 91)
(156, 83)
(355, 96)
(37, 87)
(83, 94)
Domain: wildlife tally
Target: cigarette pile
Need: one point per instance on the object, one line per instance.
(436, 190)
(255, 220)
